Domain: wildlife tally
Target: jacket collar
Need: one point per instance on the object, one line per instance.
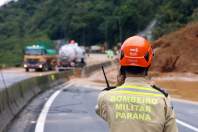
(139, 81)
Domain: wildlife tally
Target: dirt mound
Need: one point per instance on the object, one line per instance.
(177, 51)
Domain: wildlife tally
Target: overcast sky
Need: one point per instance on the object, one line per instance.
(2, 2)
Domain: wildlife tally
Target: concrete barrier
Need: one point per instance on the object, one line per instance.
(14, 98)
(90, 69)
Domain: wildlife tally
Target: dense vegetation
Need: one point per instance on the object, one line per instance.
(173, 14)
(87, 21)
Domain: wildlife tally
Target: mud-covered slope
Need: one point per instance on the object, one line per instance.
(177, 51)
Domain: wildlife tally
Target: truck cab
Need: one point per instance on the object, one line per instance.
(39, 58)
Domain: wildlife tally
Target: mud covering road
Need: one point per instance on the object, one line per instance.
(178, 85)
(13, 75)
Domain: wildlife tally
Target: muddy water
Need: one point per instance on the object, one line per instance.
(184, 87)
(178, 85)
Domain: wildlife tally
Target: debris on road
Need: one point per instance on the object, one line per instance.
(178, 51)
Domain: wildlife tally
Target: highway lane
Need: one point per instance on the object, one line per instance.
(14, 75)
(81, 112)
(188, 113)
(72, 109)
(11, 76)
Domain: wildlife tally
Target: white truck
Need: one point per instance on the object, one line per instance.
(70, 55)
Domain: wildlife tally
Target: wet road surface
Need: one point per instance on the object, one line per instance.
(14, 75)
(72, 109)
(188, 113)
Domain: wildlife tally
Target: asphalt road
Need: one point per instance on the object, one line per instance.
(187, 113)
(14, 75)
(71, 108)
(73, 111)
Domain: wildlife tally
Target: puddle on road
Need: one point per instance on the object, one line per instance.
(178, 86)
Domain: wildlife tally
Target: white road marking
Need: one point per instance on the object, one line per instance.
(42, 117)
(187, 125)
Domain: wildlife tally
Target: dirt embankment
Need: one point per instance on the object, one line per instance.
(177, 51)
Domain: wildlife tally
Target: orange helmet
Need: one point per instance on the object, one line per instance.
(136, 51)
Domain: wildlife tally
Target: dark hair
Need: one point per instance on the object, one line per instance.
(133, 70)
